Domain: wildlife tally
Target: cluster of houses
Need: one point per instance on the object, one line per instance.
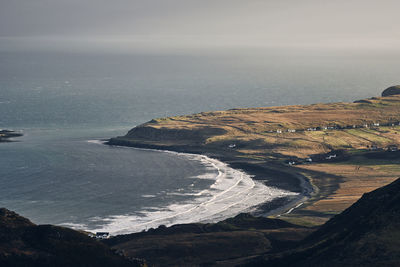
(100, 235)
(338, 154)
(390, 148)
(337, 127)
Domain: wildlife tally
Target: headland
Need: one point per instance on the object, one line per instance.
(342, 149)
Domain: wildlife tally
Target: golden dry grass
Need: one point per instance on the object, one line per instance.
(356, 180)
(247, 125)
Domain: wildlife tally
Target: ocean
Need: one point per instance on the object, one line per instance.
(60, 173)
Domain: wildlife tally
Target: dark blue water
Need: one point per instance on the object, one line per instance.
(62, 100)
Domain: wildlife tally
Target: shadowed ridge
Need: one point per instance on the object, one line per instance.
(365, 234)
(10, 219)
(23, 243)
(200, 244)
(393, 90)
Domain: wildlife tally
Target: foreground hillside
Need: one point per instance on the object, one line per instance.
(23, 243)
(199, 244)
(366, 234)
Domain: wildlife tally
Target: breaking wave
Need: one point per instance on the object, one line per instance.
(232, 192)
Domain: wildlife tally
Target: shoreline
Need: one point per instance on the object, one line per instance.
(275, 207)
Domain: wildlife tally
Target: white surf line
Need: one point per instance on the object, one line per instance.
(97, 142)
(223, 192)
(289, 211)
(193, 208)
(249, 195)
(246, 189)
(209, 160)
(214, 199)
(237, 193)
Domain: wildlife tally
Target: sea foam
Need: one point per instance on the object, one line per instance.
(232, 192)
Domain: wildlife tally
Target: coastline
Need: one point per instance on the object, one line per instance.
(317, 150)
(292, 182)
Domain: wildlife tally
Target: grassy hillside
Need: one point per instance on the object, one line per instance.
(256, 131)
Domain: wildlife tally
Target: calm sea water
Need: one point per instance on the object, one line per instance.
(63, 101)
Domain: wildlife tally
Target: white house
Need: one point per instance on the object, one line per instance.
(102, 235)
(331, 156)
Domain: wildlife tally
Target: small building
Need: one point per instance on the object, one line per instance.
(376, 124)
(365, 126)
(392, 148)
(102, 235)
(329, 157)
(279, 131)
(291, 130)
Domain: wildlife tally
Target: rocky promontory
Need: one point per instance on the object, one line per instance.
(5, 135)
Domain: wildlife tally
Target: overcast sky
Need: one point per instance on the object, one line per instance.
(203, 22)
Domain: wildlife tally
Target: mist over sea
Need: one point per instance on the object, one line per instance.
(64, 101)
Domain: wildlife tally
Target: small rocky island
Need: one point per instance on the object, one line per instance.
(5, 135)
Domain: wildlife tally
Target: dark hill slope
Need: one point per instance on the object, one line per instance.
(393, 90)
(366, 234)
(199, 244)
(23, 243)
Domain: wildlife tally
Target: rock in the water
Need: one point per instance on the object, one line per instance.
(393, 90)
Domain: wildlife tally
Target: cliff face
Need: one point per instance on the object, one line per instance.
(23, 243)
(149, 132)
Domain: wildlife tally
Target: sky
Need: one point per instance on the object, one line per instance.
(199, 23)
